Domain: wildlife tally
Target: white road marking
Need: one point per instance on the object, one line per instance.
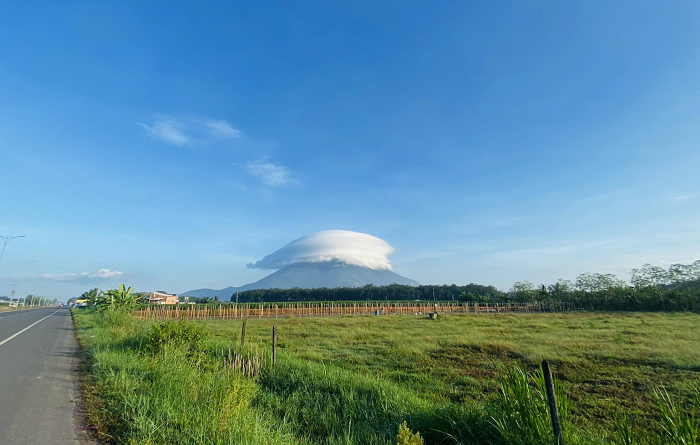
(25, 312)
(31, 325)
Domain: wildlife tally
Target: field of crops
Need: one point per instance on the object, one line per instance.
(354, 379)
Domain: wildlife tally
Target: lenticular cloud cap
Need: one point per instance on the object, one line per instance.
(354, 248)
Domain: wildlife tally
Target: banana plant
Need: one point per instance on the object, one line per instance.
(117, 298)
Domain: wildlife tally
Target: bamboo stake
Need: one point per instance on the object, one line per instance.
(552, 401)
(274, 344)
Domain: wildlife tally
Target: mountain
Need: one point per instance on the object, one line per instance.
(313, 275)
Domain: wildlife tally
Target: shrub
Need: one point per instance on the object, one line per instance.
(408, 437)
(116, 318)
(179, 333)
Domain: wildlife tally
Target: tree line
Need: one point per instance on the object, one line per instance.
(392, 292)
(651, 288)
(29, 300)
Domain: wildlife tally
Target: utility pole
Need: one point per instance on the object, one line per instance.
(6, 239)
(23, 278)
(13, 290)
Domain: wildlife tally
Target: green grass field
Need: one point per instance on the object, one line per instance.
(345, 380)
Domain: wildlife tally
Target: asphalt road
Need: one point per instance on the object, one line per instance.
(38, 378)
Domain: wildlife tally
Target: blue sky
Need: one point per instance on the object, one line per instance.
(172, 143)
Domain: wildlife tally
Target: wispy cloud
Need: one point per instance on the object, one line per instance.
(605, 196)
(222, 128)
(168, 130)
(682, 199)
(102, 274)
(189, 131)
(271, 174)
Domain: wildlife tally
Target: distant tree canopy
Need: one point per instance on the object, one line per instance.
(203, 300)
(391, 292)
(653, 288)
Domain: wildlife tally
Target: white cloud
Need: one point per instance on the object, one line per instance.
(604, 196)
(102, 274)
(168, 130)
(359, 249)
(222, 128)
(274, 175)
(682, 199)
(189, 130)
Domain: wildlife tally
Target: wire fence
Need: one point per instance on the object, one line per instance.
(329, 309)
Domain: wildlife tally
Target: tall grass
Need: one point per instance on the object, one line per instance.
(522, 416)
(329, 405)
(678, 423)
(181, 400)
(171, 394)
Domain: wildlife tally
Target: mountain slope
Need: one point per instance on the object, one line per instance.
(313, 275)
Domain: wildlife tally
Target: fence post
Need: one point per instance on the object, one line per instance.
(552, 401)
(243, 334)
(274, 344)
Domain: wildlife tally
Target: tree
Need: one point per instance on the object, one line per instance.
(523, 290)
(649, 275)
(585, 282)
(682, 273)
(561, 289)
(595, 282)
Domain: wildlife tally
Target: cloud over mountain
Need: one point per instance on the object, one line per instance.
(353, 248)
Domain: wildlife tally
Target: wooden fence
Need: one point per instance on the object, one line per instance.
(326, 309)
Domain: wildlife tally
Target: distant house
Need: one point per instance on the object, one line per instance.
(160, 297)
